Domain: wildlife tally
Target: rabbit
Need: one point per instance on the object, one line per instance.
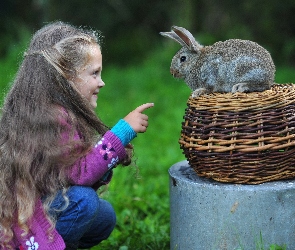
(231, 66)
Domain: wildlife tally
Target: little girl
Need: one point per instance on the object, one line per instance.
(54, 151)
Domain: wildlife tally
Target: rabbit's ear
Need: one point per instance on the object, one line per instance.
(173, 36)
(187, 38)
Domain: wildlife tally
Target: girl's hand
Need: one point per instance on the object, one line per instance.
(137, 120)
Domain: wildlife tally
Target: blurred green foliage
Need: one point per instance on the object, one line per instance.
(131, 27)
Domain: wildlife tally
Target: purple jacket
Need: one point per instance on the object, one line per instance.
(86, 171)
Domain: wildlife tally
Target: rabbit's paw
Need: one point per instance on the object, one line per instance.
(198, 92)
(240, 87)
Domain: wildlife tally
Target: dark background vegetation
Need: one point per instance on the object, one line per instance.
(131, 27)
(136, 62)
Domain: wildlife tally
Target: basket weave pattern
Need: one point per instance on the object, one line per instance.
(242, 137)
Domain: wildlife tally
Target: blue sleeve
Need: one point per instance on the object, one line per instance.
(124, 132)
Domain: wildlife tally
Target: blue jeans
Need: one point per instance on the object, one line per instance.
(86, 221)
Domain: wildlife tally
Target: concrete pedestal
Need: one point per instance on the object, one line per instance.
(208, 215)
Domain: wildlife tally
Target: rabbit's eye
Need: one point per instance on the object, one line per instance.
(182, 59)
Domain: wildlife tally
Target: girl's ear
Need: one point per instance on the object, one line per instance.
(187, 38)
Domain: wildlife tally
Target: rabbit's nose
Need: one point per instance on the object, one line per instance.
(174, 72)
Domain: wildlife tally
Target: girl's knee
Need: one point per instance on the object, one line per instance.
(107, 209)
(86, 218)
(86, 199)
(101, 228)
(91, 206)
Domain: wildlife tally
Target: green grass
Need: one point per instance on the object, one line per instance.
(140, 195)
(260, 245)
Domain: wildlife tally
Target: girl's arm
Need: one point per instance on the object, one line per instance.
(95, 169)
(104, 156)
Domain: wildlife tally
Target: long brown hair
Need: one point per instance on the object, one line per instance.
(32, 162)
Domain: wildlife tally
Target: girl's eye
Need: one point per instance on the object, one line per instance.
(96, 73)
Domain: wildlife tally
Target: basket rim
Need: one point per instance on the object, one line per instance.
(279, 95)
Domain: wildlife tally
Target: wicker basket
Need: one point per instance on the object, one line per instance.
(242, 137)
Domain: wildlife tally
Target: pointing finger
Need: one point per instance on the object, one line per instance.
(143, 107)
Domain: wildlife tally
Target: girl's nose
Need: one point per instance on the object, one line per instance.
(101, 83)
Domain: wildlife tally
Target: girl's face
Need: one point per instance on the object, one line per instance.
(88, 80)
